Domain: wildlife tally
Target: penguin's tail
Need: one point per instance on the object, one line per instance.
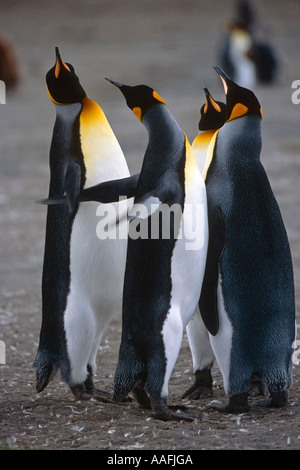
(127, 374)
(45, 370)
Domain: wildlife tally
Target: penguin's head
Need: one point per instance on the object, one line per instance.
(239, 101)
(212, 113)
(139, 98)
(63, 84)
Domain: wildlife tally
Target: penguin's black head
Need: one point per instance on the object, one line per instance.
(63, 84)
(139, 98)
(213, 114)
(239, 101)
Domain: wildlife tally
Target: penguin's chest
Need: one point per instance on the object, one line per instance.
(200, 147)
(97, 252)
(102, 154)
(189, 254)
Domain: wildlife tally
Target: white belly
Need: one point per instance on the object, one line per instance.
(96, 287)
(221, 342)
(187, 271)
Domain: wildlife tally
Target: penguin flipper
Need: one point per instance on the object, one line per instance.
(72, 184)
(144, 207)
(208, 304)
(52, 201)
(111, 191)
(108, 191)
(150, 202)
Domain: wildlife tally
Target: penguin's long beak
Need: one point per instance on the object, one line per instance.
(126, 90)
(207, 97)
(117, 84)
(59, 63)
(210, 100)
(225, 79)
(206, 91)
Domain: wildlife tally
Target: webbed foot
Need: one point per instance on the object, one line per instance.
(161, 411)
(202, 386)
(87, 390)
(277, 399)
(236, 404)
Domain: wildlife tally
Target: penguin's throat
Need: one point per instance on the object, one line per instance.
(165, 135)
(68, 112)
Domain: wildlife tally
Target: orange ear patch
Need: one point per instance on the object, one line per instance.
(238, 110)
(157, 97)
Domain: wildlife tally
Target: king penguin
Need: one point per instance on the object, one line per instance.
(247, 300)
(166, 256)
(82, 278)
(246, 56)
(237, 44)
(212, 117)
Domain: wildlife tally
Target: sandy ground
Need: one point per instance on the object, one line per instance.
(172, 46)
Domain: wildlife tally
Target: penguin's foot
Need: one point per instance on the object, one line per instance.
(161, 411)
(80, 392)
(202, 386)
(277, 399)
(141, 397)
(236, 404)
(102, 395)
(86, 390)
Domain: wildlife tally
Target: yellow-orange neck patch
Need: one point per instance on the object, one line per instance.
(52, 99)
(91, 114)
(138, 112)
(210, 154)
(203, 138)
(191, 165)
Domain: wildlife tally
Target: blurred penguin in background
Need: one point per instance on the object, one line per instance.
(9, 72)
(244, 58)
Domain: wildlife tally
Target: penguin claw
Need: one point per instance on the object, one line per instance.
(161, 411)
(196, 392)
(80, 393)
(83, 392)
(102, 395)
(168, 415)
